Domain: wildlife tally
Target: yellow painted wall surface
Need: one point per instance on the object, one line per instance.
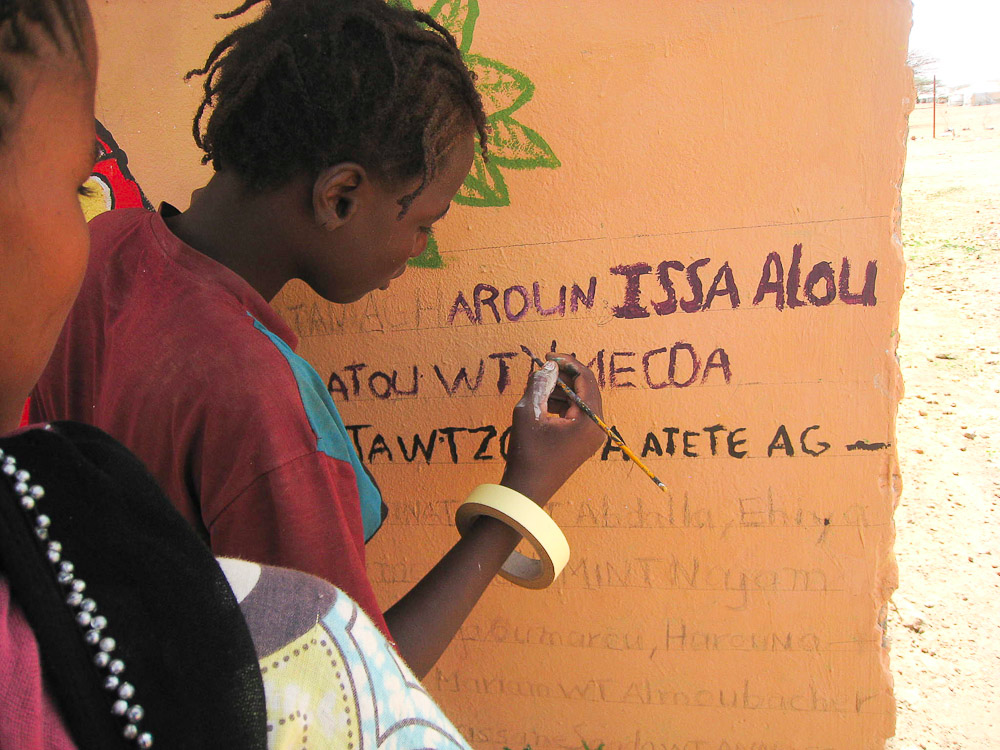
(703, 201)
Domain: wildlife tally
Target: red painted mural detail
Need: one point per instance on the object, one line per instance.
(111, 184)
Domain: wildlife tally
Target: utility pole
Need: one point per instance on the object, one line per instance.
(934, 125)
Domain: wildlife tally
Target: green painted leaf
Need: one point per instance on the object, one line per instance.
(429, 258)
(485, 185)
(459, 17)
(503, 88)
(515, 146)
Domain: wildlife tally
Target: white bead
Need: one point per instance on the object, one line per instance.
(9, 468)
(117, 667)
(92, 638)
(64, 578)
(83, 619)
(27, 503)
(130, 732)
(78, 584)
(2, 453)
(145, 740)
(53, 556)
(102, 658)
(37, 491)
(74, 599)
(43, 522)
(88, 605)
(55, 546)
(119, 708)
(100, 622)
(22, 476)
(111, 682)
(126, 691)
(21, 488)
(108, 644)
(66, 567)
(42, 533)
(136, 713)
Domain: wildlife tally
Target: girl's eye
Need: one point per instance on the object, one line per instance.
(86, 191)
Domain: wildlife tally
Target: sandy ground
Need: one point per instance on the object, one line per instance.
(944, 620)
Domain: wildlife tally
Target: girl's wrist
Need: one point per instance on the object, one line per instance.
(537, 491)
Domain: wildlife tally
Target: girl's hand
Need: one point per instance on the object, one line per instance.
(551, 435)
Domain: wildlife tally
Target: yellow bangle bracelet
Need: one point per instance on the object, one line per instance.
(530, 521)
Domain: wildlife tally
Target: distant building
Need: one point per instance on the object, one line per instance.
(985, 92)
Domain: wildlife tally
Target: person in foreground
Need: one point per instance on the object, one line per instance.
(118, 628)
(340, 131)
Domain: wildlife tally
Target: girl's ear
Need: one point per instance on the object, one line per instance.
(336, 194)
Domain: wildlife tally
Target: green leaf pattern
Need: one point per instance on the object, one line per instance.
(515, 146)
(504, 90)
(459, 17)
(485, 185)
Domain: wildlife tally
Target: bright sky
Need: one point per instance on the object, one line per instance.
(964, 35)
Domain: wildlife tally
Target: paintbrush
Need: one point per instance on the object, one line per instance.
(615, 437)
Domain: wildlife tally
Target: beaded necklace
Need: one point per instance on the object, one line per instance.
(92, 624)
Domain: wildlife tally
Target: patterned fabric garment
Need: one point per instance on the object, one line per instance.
(331, 678)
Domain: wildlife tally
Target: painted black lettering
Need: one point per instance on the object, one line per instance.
(462, 377)
(426, 449)
(490, 433)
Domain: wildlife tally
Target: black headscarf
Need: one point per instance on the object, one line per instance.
(176, 624)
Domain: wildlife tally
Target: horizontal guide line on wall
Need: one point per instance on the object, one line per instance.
(613, 390)
(671, 234)
(600, 319)
(695, 652)
(562, 587)
(676, 527)
(657, 459)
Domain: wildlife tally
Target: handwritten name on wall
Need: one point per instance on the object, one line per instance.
(459, 445)
(624, 292)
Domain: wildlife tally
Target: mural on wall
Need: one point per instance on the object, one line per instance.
(512, 145)
(111, 184)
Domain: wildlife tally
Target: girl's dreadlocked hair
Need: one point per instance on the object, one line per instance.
(63, 21)
(315, 82)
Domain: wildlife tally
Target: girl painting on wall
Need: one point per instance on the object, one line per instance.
(339, 130)
(118, 628)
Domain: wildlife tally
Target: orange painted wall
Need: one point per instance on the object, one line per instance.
(744, 606)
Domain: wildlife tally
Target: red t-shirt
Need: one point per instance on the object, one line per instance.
(180, 359)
